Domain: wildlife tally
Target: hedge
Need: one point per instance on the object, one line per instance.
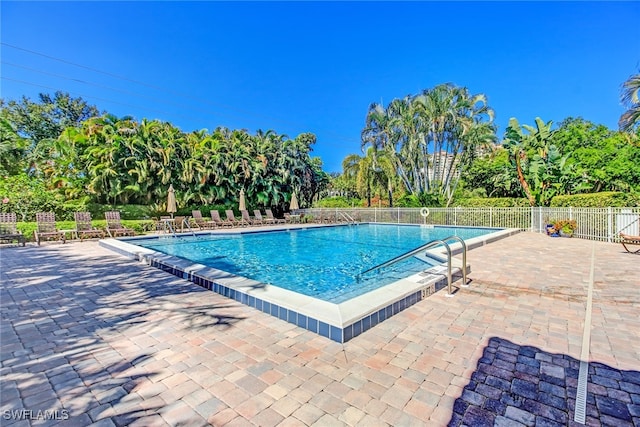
(597, 200)
(337, 202)
(491, 202)
(139, 226)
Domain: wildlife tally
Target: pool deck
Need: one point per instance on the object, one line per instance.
(102, 339)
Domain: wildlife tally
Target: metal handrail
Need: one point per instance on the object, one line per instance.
(426, 246)
(414, 252)
(404, 256)
(185, 221)
(348, 217)
(168, 225)
(464, 259)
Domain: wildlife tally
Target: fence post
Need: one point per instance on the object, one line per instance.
(531, 214)
(375, 214)
(398, 215)
(609, 224)
(455, 215)
(541, 226)
(490, 216)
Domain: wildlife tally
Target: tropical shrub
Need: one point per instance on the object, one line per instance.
(337, 202)
(140, 226)
(27, 195)
(597, 200)
(409, 201)
(205, 210)
(495, 202)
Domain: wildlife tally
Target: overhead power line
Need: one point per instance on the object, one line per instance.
(161, 89)
(94, 97)
(138, 94)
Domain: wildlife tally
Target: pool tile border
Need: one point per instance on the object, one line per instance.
(309, 323)
(407, 292)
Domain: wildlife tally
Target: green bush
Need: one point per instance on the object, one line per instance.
(491, 202)
(133, 211)
(69, 207)
(205, 210)
(408, 201)
(597, 200)
(140, 227)
(129, 212)
(25, 195)
(337, 202)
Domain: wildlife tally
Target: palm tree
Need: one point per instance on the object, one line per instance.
(631, 99)
(390, 131)
(359, 168)
(514, 142)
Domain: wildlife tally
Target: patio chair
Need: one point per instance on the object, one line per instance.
(627, 239)
(215, 217)
(8, 229)
(46, 223)
(251, 221)
(114, 227)
(84, 228)
(231, 217)
(200, 222)
(271, 217)
(257, 215)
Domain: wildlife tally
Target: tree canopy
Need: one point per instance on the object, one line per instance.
(81, 154)
(430, 137)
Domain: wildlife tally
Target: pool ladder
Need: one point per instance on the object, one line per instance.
(168, 226)
(426, 246)
(347, 217)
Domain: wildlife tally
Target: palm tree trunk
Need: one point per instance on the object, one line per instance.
(523, 183)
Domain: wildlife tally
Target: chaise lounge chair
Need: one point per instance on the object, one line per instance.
(200, 222)
(114, 227)
(8, 229)
(231, 217)
(271, 217)
(215, 217)
(47, 228)
(246, 219)
(258, 218)
(627, 239)
(84, 228)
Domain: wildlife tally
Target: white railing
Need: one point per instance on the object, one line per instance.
(603, 224)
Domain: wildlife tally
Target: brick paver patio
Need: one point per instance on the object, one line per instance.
(101, 340)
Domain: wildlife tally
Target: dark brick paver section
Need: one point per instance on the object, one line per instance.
(540, 390)
(106, 341)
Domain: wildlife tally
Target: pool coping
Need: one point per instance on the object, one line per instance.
(337, 321)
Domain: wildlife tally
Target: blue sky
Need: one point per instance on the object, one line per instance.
(315, 67)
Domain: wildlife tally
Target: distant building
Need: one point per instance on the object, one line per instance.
(441, 162)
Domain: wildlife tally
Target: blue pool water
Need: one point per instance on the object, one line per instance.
(320, 262)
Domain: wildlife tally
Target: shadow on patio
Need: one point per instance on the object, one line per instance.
(80, 333)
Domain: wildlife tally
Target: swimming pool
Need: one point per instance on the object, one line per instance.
(309, 274)
(319, 262)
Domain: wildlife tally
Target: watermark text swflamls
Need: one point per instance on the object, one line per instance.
(30, 414)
